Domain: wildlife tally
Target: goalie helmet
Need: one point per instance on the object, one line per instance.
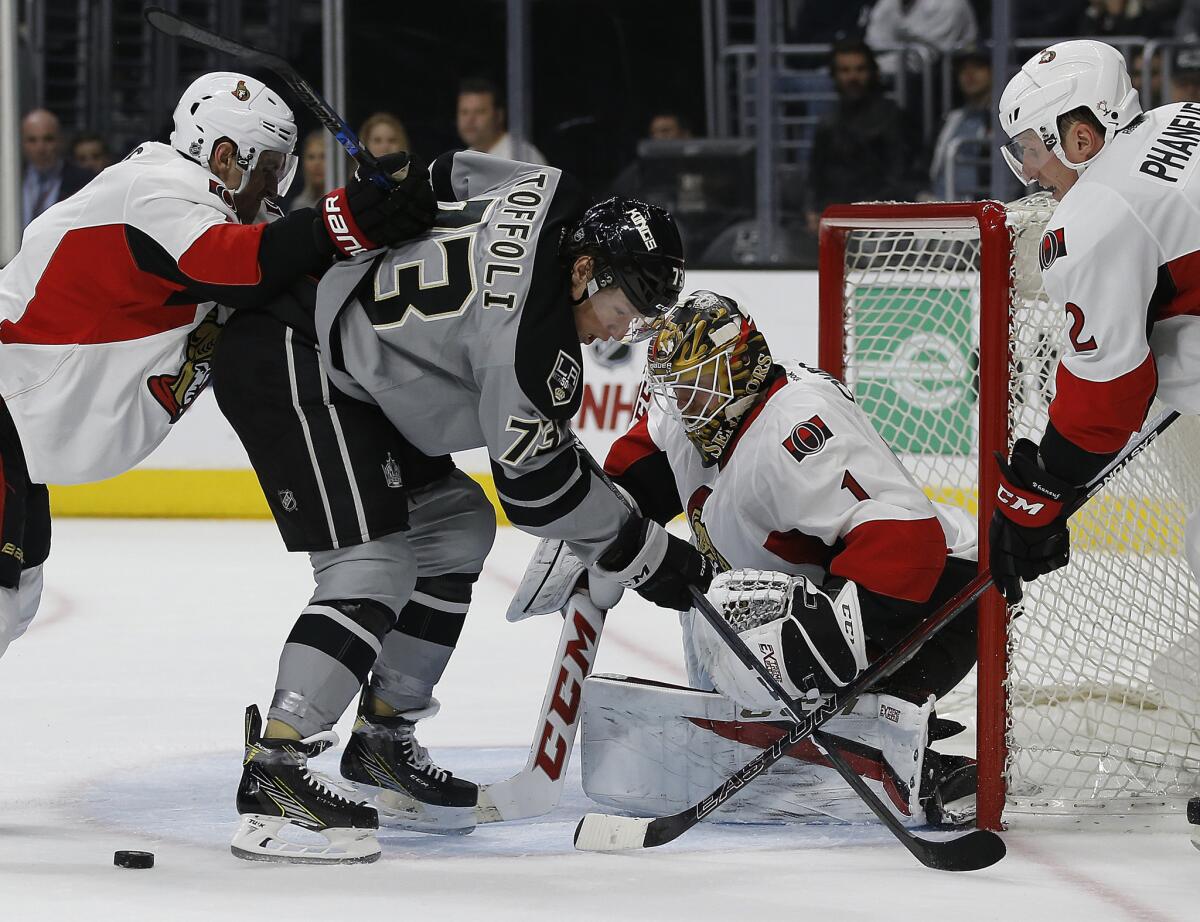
(707, 366)
(1055, 81)
(636, 246)
(244, 110)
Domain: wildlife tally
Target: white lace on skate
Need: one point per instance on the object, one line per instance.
(418, 755)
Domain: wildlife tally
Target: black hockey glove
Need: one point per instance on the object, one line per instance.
(656, 565)
(362, 216)
(1028, 534)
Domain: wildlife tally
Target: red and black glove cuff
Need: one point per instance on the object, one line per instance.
(348, 238)
(1029, 496)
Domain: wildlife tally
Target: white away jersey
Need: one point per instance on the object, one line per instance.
(806, 482)
(103, 343)
(1121, 255)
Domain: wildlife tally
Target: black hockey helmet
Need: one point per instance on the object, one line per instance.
(636, 246)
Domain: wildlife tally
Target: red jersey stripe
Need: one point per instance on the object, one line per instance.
(630, 448)
(225, 254)
(119, 301)
(1099, 416)
(896, 558)
(1185, 275)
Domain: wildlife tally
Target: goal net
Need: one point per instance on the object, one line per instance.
(1088, 692)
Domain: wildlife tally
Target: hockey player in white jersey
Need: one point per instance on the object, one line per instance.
(791, 493)
(107, 324)
(1121, 255)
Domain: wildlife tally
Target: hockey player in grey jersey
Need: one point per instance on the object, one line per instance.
(349, 404)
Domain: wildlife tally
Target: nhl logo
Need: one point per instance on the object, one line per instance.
(391, 473)
(563, 380)
(195, 147)
(241, 92)
(287, 499)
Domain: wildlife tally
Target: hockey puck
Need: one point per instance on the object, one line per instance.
(123, 859)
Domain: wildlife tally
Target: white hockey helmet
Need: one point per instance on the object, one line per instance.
(1055, 81)
(244, 110)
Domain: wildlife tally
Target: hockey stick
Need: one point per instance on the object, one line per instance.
(536, 789)
(607, 832)
(170, 24)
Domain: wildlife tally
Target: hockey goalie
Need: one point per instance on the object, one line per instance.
(828, 552)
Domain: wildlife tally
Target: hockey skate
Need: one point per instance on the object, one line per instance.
(292, 814)
(948, 790)
(415, 794)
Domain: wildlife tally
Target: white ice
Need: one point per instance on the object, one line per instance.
(122, 709)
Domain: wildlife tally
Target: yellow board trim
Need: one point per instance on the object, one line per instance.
(184, 494)
(1113, 523)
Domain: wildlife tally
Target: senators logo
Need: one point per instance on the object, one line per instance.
(704, 544)
(1054, 245)
(175, 393)
(808, 438)
(222, 193)
(241, 92)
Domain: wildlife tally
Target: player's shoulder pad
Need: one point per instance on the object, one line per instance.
(808, 413)
(1079, 225)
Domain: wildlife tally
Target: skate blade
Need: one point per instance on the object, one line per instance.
(276, 839)
(400, 811)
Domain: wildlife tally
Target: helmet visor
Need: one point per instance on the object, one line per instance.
(275, 168)
(1027, 155)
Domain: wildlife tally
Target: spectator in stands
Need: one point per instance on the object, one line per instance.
(1122, 17)
(668, 125)
(48, 177)
(860, 151)
(960, 172)
(91, 152)
(1185, 75)
(939, 24)
(481, 122)
(312, 167)
(382, 133)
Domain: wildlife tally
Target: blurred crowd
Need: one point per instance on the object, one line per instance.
(851, 130)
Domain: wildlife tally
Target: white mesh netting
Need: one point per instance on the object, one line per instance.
(1104, 668)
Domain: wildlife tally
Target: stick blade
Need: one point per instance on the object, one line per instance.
(599, 832)
(972, 852)
(165, 22)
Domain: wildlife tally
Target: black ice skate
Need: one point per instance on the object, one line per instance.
(948, 790)
(416, 794)
(290, 813)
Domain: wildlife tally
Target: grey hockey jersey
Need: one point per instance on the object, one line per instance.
(465, 338)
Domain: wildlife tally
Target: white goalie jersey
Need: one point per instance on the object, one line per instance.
(807, 487)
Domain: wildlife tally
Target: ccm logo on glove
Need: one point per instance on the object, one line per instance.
(1035, 508)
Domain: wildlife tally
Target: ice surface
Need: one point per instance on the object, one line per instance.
(123, 705)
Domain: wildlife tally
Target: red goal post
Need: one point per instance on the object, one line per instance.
(989, 222)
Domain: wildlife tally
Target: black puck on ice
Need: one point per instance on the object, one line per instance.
(123, 859)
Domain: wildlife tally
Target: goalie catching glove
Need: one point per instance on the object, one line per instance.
(656, 565)
(363, 216)
(1028, 535)
(809, 637)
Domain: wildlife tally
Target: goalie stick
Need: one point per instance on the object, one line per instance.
(536, 789)
(177, 27)
(607, 832)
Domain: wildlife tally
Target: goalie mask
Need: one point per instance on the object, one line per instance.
(707, 366)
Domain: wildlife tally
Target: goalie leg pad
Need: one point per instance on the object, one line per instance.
(810, 638)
